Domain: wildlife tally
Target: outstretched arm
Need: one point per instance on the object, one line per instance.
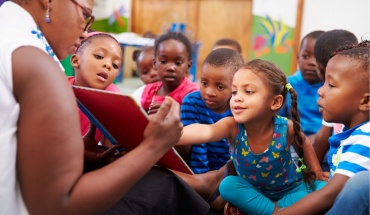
(50, 147)
(203, 133)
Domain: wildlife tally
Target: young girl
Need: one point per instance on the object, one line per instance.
(144, 63)
(172, 60)
(96, 64)
(260, 143)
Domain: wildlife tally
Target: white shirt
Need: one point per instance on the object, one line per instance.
(17, 28)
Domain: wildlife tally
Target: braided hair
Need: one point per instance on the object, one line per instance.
(360, 53)
(174, 36)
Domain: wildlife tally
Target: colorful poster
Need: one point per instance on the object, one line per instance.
(273, 27)
(112, 16)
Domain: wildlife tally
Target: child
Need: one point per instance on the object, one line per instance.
(172, 60)
(306, 82)
(227, 43)
(96, 64)
(144, 63)
(345, 99)
(209, 105)
(260, 142)
(325, 45)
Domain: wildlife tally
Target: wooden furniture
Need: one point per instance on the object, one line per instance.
(207, 21)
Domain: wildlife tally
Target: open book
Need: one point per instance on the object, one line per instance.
(122, 121)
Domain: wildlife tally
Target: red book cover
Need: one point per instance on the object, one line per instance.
(122, 121)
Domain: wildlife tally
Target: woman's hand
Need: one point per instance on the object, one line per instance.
(165, 126)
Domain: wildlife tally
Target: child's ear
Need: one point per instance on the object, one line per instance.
(75, 61)
(189, 64)
(365, 103)
(154, 67)
(277, 102)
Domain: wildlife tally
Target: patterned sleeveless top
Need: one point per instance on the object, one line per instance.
(272, 171)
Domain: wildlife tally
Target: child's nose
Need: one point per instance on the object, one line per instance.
(153, 73)
(236, 97)
(210, 92)
(171, 66)
(319, 91)
(107, 65)
(312, 61)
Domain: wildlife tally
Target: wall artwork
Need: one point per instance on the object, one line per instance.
(273, 26)
(112, 15)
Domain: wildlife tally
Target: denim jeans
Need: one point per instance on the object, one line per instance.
(354, 197)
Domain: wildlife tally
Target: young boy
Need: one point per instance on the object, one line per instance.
(344, 98)
(325, 45)
(306, 82)
(209, 105)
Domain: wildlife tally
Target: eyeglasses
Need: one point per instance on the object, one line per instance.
(89, 18)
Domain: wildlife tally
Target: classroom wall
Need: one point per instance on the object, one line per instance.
(209, 20)
(351, 15)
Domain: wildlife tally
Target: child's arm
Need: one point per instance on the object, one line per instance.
(202, 133)
(321, 144)
(318, 202)
(311, 160)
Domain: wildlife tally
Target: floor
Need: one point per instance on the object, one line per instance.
(129, 85)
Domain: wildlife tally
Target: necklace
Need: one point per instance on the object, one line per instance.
(48, 49)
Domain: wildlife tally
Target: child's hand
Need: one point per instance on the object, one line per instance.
(153, 108)
(93, 153)
(323, 176)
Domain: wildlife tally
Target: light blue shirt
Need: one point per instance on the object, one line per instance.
(307, 103)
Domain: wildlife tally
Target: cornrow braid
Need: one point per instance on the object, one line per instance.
(361, 54)
(364, 44)
(174, 36)
(92, 37)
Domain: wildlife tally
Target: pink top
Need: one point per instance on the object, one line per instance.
(178, 94)
(84, 121)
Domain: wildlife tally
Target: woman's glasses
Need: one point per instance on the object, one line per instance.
(89, 18)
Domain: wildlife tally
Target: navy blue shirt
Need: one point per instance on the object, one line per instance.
(206, 156)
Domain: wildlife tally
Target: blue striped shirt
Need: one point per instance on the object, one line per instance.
(349, 151)
(206, 156)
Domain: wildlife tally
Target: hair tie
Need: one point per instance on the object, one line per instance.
(288, 86)
(302, 167)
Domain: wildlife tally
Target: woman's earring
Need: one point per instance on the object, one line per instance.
(47, 16)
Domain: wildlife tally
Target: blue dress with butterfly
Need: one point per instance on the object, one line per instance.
(273, 170)
(265, 178)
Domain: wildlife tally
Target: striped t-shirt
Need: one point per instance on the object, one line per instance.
(349, 151)
(207, 156)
